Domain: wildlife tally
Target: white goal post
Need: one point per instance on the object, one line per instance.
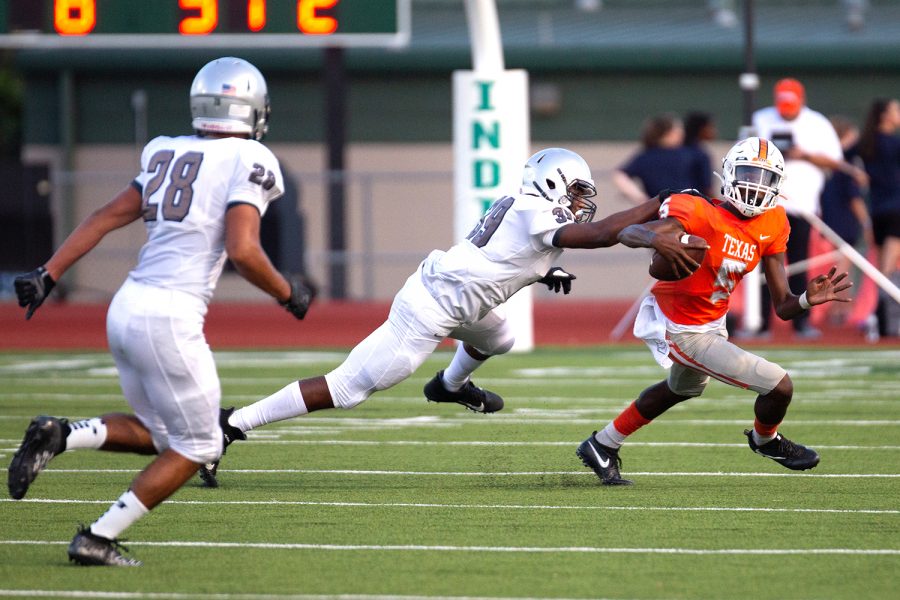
(491, 141)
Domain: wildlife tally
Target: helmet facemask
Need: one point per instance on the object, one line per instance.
(576, 199)
(755, 188)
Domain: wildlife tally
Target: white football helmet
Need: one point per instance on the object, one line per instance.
(229, 95)
(752, 173)
(562, 177)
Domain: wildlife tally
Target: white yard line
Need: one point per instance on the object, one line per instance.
(508, 473)
(493, 549)
(525, 443)
(749, 509)
(256, 438)
(223, 596)
(495, 419)
(498, 419)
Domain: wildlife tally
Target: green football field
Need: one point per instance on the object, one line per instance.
(400, 498)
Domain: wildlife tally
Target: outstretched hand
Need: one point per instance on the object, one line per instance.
(826, 288)
(671, 248)
(557, 278)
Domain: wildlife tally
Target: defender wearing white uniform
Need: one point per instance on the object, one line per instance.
(155, 321)
(201, 198)
(459, 294)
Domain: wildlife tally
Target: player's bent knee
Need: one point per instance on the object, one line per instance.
(784, 390)
(502, 347)
(349, 390)
(348, 402)
(685, 388)
(200, 453)
(506, 346)
(347, 398)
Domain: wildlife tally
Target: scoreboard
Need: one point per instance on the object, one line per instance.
(203, 23)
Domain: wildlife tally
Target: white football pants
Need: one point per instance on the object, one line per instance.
(166, 368)
(413, 330)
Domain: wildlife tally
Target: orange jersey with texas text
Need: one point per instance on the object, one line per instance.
(736, 246)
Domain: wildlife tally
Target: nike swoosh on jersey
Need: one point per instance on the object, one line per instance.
(764, 237)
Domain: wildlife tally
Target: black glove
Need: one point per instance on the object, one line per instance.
(302, 294)
(557, 278)
(33, 288)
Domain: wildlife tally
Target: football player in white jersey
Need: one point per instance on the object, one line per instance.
(459, 293)
(201, 198)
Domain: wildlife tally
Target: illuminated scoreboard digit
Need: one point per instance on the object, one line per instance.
(203, 23)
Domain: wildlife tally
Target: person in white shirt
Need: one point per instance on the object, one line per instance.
(811, 149)
(201, 198)
(459, 294)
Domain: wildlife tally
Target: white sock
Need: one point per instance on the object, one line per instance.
(89, 433)
(760, 440)
(124, 511)
(610, 437)
(283, 404)
(461, 367)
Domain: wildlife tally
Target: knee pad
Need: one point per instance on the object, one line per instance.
(348, 402)
(343, 395)
(686, 382)
(502, 347)
(199, 451)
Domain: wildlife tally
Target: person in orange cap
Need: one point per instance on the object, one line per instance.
(811, 149)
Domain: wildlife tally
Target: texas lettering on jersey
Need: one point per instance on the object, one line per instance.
(736, 246)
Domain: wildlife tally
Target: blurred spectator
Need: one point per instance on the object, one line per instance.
(662, 163)
(699, 129)
(723, 12)
(844, 207)
(810, 147)
(855, 13)
(589, 5)
(879, 147)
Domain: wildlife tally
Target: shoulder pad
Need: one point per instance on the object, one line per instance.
(693, 192)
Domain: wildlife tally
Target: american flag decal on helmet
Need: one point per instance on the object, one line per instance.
(229, 89)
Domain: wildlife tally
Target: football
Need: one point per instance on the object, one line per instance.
(661, 269)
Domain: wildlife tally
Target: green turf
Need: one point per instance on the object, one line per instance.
(400, 497)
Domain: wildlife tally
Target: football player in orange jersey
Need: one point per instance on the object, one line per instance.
(683, 321)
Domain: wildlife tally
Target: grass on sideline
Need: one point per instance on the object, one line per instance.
(400, 497)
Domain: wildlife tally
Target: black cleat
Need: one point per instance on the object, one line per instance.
(230, 434)
(604, 461)
(208, 474)
(469, 395)
(785, 452)
(44, 439)
(89, 549)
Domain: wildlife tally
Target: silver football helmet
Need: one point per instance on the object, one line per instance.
(752, 173)
(229, 95)
(563, 178)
